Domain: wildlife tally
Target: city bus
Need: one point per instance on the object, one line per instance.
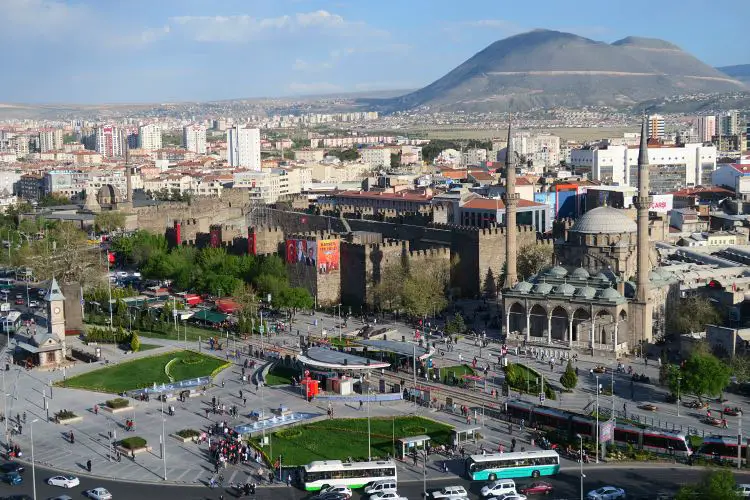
(320, 474)
(7, 283)
(495, 466)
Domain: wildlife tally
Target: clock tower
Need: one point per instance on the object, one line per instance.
(55, 311)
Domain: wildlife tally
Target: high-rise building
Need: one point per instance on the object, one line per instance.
(706, 126)
(149, 137)
(656, 127)
(243, 147)
(50, 139)
(194, 138)
(729, 123)
(109, 141)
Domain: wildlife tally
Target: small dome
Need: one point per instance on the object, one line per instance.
(609, 294)
(523, 287)
(586, 292)
(565, 289)
(558, 272)
(602, 276)
(604, 220)
(580, 273)
(543, 288)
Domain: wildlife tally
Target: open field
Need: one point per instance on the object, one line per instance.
(566, 134)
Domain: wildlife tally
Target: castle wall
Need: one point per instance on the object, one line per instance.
(229, 209)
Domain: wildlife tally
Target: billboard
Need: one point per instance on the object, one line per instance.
(567, 200)
(215, 236)
(323, 254)
(661, 203)
(177, 233)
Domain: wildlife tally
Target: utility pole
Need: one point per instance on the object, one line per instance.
(739, 442)
(597, 419)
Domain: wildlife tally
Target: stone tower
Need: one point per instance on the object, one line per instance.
(511, 204)
(127, 203)
(55, 311)
(642, 203)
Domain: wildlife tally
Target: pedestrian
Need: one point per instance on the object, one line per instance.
(289, 480)
(360, 404)
(445, 466)
(240, 393)
(96, 409)
(72, 438)
(270, 477)
(523, 421)
(24, 417)
(206, 412)
(119, 456)
(88, 465)
(244, 401)
(222, 384)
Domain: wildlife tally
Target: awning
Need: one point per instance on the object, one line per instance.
(210, 316)
(36, 350)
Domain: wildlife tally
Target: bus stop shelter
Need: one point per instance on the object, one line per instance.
(464, 434)
(408, 445)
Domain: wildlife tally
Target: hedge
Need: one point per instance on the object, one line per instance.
(117, 403)
(188, 433)
(133, 443)
(516, 376)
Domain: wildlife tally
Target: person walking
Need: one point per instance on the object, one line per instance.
(88, 465)
(72, 438)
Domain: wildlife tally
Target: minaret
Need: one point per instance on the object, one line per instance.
(511, 204)
(128, 175)
(642, 202)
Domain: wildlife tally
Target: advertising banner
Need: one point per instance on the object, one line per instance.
(296, 251)
(178, 233)
(328, 256)
(661, 203)
(215, 237)
(252, 242)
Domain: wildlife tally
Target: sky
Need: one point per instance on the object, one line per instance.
(131, 51)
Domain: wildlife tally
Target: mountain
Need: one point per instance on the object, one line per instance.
(545, 68)
(741, 72)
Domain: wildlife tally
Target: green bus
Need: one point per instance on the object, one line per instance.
(495, 466)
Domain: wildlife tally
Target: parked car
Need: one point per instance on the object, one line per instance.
(451, 493)
(538, 488)
(33, 303)
(99, 494)
(499, 487)
(743, 490)
(64, 481)
(386, 495)
(343, 490)
(511, 496)
(12, 478)
(606, 493)
(12, 467)
(379, 486)
(20, 302)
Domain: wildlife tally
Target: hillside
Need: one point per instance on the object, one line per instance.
(545, 68)
(741, 72)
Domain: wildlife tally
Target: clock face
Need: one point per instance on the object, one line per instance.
(57, 310)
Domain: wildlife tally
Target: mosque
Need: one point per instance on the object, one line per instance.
(603, 296)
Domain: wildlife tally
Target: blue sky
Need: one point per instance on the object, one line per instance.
(94, 51)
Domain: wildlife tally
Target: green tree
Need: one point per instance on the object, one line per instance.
(569, 379)
(386, 292)
(740, 366)
(345, 154)
(718, 484)
(395, 160)
(533, 258)
(425, 286)
(703, 374)
(295, 299)
(455, 325)
(490, 285)
(53, 200)
(135, 342)
(109, 221)
(692, 315)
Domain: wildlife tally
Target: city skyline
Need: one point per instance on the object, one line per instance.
(170, 51)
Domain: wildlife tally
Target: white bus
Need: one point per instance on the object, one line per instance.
(512, 465)
(319, 474)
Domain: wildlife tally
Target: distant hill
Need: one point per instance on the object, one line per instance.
(741, 72)
(545, 68)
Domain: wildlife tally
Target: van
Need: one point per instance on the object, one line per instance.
(498, 488)
(381, 486)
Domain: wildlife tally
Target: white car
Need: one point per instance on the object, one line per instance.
(743, 490)
(64, 481)
(33, 303)
(342, 490)
(606, 493)
(451, 493)
(99, 494)
(511, 496)
(498, 488)
(386, 495)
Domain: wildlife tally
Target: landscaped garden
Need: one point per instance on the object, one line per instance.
(144, 372)
(280, 375)
(339, 439)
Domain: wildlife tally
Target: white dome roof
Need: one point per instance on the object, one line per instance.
(604, 220)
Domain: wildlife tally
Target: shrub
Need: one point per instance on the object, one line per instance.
(188, 433)
(135, 343)
(569, 379)
(117, 403)
(107, 336)
(65, 414)
(133, 443)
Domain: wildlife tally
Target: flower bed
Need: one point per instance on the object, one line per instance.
(66, 417)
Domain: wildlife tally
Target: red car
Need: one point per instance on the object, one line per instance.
(538, 488)
(20, 302)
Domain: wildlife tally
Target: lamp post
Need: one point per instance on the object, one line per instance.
(163, 437)
(580, 461)
(597, 419)
(369, 448)
(33, 467)
(679, 379)
(424, 475)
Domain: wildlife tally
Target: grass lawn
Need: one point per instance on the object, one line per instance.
(280, 375)
(455, 371)
(193, 332)
(148, 347)
(338, 439)
(144, 372)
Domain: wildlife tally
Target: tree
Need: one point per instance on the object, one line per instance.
(490, 285)
(386, 292)
(135, 342)
(295, 299)
(345, 154)
(692, 315)
(395, 160)
(425, 286)
(455, 325)
(740, 366)
(53, 200)
(719, 484)
(106, 222)
(533, 258)
(703, 374)
(569, 379)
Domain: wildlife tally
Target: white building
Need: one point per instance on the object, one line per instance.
(656, 127)
(672, 168)
(271, 184)
(109, 141)
(542, 149)
(706, 126)
(50, 139)
(309, 155)
(149, 137)
(8, 180)
(194, 138)
(474, 156)
(377, 156)
(243, 147)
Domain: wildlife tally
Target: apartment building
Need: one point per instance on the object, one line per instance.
(109, 141)
(194, 138)
(243, 147)
(309, 154)
(655, 127)
(706, 126)
(377, 156)
(149, 137)
(31, 187)
(271, 184)
(473, 156)
(50, 139)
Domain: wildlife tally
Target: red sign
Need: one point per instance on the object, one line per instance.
(178, 233)
(215, 237)
(252, 242)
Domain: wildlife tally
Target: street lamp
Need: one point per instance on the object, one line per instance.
(679, 379)
(33, 467)
(163, 437)
(580, 461)
(369, 448)
(597, 419)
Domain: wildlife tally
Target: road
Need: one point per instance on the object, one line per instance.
(639, 483)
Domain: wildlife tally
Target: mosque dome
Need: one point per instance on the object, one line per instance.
(580, 273)
(604, 220)
(558, 272)
(586, 292)
(609, 294)
(565, 289)
(543, 288)
(523, 287)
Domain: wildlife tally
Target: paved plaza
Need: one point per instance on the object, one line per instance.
(187, 463)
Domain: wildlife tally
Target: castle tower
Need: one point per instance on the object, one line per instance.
(642, 203)
(55, 311)
(511, 204)
(127, 203)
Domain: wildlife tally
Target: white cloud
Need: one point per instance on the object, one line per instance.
(313, 87)
(244, 28)
(41, 19)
